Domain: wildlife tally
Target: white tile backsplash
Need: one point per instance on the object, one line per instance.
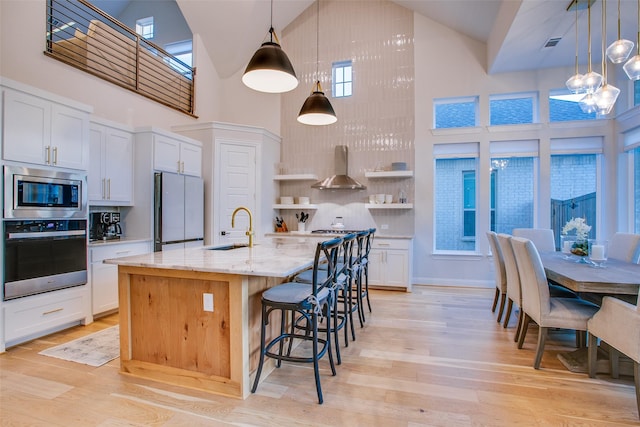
(376, 123)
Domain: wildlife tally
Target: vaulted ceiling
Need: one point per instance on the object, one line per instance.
(515, 31)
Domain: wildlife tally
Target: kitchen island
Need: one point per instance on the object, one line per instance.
(191, 317)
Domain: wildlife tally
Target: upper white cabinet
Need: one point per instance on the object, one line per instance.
(171, 154)
(110, 179)
(43, 131)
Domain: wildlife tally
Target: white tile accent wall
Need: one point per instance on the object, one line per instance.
(376, 123)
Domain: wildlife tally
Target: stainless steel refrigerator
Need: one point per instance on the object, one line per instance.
(178, 211)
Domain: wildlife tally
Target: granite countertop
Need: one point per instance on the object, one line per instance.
(300, 235)
(116, 241)
(271, 257)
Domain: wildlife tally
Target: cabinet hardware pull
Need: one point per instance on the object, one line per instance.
(55, 155)
(122, 252)
(182, 163)
(55, 310)
(47, 151)
(104, 188)
(384, 244)
(109, 188)
(179, 166)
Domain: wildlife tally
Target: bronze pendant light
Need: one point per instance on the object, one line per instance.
(270, 70)
(317, 109)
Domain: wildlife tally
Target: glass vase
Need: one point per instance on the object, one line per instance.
(580, 248)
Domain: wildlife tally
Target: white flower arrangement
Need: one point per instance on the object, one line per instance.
(581, 227)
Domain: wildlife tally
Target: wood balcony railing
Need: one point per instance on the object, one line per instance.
(85, 37)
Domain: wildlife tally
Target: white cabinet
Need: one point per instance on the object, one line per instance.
(30, 317)
(390, 263)
(40, 131)
(173, 155)
(110, 178)
(104, 277)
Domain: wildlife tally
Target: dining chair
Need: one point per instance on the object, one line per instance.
(617, 323)
(625, 247)
(538, 305)
(514, 294)
(296, 302)
(500, 274)
(543, 238)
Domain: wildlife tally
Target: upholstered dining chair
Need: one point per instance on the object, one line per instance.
(543, 238)
(500, 274)
(617, 323)
(298, 302)
(538, 305)
(545, 241)
(625, 247)
(514, 294)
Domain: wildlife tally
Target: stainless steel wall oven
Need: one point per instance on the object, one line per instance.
(44, 231)
(43, 255)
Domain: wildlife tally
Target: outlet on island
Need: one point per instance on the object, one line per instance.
(207, 301)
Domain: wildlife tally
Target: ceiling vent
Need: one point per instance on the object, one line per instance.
(552, 42)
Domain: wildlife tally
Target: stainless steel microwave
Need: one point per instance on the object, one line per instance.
(40, 193)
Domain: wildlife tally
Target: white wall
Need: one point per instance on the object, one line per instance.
(448, 64)
(22, 59)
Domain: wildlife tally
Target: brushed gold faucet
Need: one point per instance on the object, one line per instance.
(250, 230)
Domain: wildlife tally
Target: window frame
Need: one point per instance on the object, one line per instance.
(535, 105)
(142, 26)
(342, 83)
(457, 100)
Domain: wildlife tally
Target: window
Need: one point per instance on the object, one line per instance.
(342, 79)
(636, 92)
(455, 112)
(636, 189)
(513, 109)
(183, 51)
(564, 106)
(469, 203)
(144, 27)
(455, 196)
(573, 191)
(513, 187)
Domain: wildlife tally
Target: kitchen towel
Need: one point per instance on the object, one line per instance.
(94, 350)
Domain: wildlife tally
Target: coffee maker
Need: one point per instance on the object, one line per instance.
(105, 226)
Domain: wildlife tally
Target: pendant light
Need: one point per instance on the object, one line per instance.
(606, 95)
(317, 109)
(620, 49)
(575, 84)
(592, 80)
(270, 70)
(632, 67)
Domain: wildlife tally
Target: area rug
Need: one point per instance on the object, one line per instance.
(94, 350)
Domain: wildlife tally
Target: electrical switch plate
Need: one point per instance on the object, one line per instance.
(207, 300)
(384, 227)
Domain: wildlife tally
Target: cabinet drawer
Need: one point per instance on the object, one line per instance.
(116, 250)
(32, 315)
(381, 243)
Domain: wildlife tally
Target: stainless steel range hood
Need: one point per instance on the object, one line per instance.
(341, 180)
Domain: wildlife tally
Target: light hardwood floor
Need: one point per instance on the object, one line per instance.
(434, 357)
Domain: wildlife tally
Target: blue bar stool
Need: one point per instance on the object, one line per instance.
(298, 301)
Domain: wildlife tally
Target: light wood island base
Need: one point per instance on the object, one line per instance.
(167, 336)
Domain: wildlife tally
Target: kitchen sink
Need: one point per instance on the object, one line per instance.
(229, 247)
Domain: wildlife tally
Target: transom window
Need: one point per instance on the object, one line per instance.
(564, 106)
(144, 27)
(342, 79)
(455, 112)
(512, 109)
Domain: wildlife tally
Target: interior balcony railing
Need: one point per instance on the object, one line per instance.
(85, 37)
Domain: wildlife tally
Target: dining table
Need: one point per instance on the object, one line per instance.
(614, 277)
